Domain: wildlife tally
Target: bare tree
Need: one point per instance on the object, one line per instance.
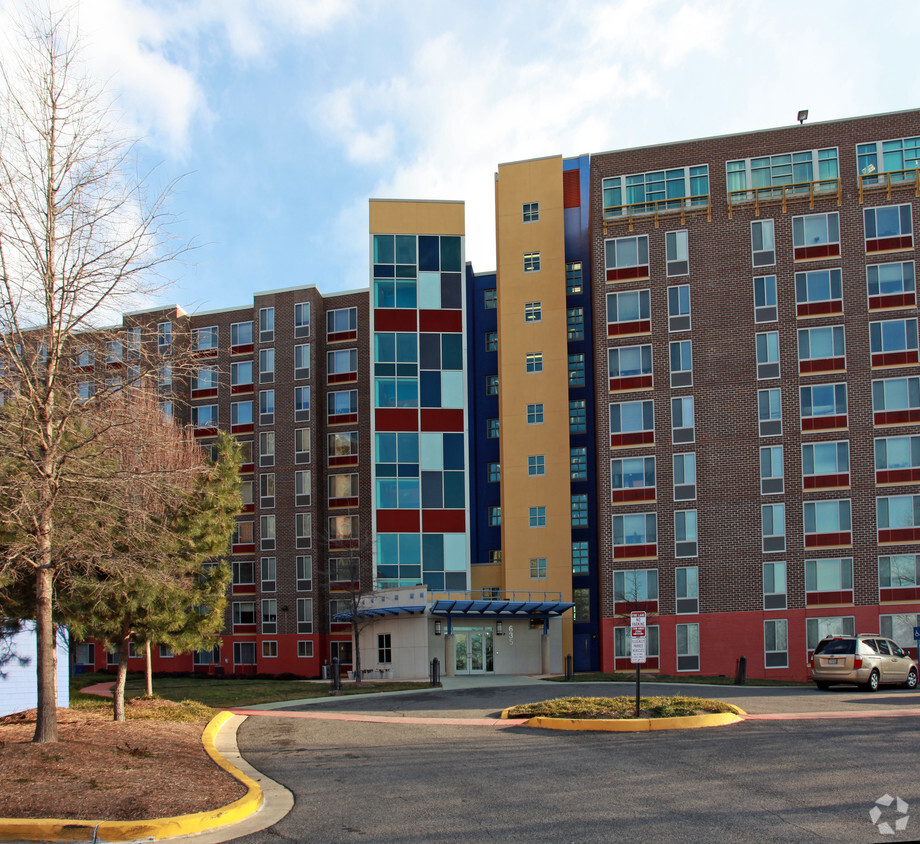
(80, 240)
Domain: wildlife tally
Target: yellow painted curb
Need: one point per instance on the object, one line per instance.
(50, 829)
(635, 725)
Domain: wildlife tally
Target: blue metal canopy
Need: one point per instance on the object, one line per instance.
(500, 608)
(375, 612)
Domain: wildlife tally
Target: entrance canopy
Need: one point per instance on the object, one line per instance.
(380, 612)
(500, 608)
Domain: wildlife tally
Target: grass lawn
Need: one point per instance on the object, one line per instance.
(227, 693)
(618, 707)
(630, 677)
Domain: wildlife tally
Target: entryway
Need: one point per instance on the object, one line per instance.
(473, 650)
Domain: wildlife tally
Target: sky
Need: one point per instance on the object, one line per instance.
(281, 118)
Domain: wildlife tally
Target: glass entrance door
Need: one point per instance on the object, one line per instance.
(473, 651)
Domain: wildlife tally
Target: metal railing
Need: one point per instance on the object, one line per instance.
(656, 208)
(887, 181)
(794, 192)
(494, 595)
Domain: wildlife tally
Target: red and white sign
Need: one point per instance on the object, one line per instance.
(637, 624)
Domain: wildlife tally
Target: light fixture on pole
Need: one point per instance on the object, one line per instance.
(802, 116)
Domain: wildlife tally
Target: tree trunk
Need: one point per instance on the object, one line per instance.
(148, 670)
(46, 661)
(122, 676)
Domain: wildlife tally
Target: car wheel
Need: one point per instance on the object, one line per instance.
(911, 679)
(871, 685)
(822, 686)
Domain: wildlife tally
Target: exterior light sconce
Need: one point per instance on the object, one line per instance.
(802, 116)
(499, 629)
(437, 628)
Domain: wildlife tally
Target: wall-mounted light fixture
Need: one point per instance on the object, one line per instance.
(437, 628)
(499, 628)
(802, 116)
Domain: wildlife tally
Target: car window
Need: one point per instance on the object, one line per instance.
(836, 646)
(883, 647)
(896, 648)
(870, 646)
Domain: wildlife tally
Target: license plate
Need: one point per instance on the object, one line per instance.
(832, 662)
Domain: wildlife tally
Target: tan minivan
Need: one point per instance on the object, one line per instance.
(867, 660)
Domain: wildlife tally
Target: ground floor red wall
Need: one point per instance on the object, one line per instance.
(724, 637)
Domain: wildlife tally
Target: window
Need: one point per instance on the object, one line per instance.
(303, 530)
(266, 407)
(491, 341)
(632, 479)
(626, 258)
(678, 308)
(305, 650)
(244, 653)
(898, 159)
(342, 406)
(269, 615)
(632, 423)
(900, 628)
(384, 648)
(304, 573)
(343, 489)
(267, 448)
(269, 649)
(827, 523)
(492, 428)
(628, 313)
(266, 366)
(210, 657)
(303, 481)
(888, 228)
(114, 352)
(826, 465)
(896, 401)
(241, 415)
(240, 337)
(531, 262)
(534, 361)
(204, 382)
(898, 571)
(536, 465)
(774, 586)
(687, 589)
(534, 415)
(656, 191)
(891, 285)
(635, 535)
(490, 299)
(821, 349)
(573, 278)
(771, 470)
(829, 581)
(302, 360)
(302, 319)
(494, 473)
(681, 363)
(579, 510)
(491, 385)
(765, 307)
(763, 247)
(580, 561)
(767, 343)
(677, 253)
(531, 212)
(133, 341)
(495, 516)
(575, 323)
(304, 615)
(538, 568)
(205, 416)
(638, 587)
(577, 370)
(266, 325)
(823, 406)
(786, 174)
(773, 527)
(243, 573)
(818, 293)
(894, 342)
(342, 324)
(246, 496)
(682, 430)
(622, 646)
(629, 368)
(343, 448)
(685, 538)
(164, 381)
(898, 518)
(241, 376)
(244, 613)
(578, 463)
(816, 236)
(269, 574)
(203, 339)
(688, 647)
(775, 643)
(684, 476)
(537, 516)
(495, 558)
(343, 530)
(267, 490)
(267, 532)
(817, 629)
(164, 337)
(897, 460)
(533, 312)
(578, 423)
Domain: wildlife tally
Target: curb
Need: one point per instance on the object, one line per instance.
(636, 725)
(51, 829)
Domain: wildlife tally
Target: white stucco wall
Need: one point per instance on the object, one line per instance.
(18, 683)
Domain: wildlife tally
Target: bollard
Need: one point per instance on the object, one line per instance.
(336, 675)
(435, 673)
(569, 668)
(741, 671)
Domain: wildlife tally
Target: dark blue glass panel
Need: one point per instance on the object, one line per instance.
(411, 573)
(386, 470)
(451, 351)
(434, 580)
(454, 496)
(450, 254)
(383, 271)
(430, 384)
(429, 258)
(453, 451)
(408, 370)
(455, 580)
(429, 346)
(432, 494)
(433, 551)
(408, 470)
(385, 369)
(451, 293)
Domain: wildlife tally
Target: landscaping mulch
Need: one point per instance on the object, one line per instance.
(102, 770)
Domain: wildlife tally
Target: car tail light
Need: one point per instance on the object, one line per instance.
(857, 663)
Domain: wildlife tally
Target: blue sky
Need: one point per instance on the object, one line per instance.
(286, 116)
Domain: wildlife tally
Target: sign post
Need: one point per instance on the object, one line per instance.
(637, 654)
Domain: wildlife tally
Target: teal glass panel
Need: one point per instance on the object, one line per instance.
(406, 294)
(384, 252)
(407, 271)
(384, 347)
(433, 552)
(405, 249)
(410, 549)
(454, 494)
(406, 348)
(408, 447)
(451, 351)
(450, 254)
(387, 548)
(384, 294)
